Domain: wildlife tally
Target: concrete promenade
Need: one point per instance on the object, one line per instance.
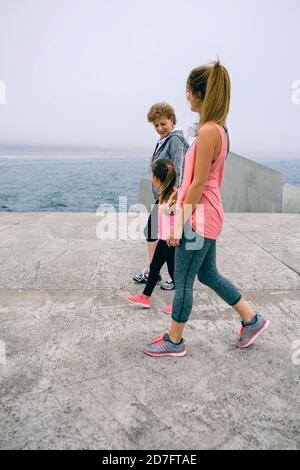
(72, 374)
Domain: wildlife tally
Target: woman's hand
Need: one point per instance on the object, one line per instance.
(170, 206)
(173, 198)
(173, 242)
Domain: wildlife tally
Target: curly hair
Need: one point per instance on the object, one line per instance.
(159, 110)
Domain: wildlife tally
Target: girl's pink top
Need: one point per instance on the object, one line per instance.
(208, 218)
(165, 222)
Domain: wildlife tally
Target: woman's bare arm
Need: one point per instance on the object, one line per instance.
(207, 142)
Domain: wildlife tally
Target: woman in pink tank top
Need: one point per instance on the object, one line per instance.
(200, 216)
(208, 217)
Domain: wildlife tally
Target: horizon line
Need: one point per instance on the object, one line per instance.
(97, 151)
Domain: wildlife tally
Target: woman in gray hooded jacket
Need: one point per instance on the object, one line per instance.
(172, 145)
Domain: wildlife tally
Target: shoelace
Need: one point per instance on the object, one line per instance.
(241, 332)
(158, 340)
(142, 297)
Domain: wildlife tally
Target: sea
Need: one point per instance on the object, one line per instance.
(83, 184)
(66, 184)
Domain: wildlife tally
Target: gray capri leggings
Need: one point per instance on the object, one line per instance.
(197, 257)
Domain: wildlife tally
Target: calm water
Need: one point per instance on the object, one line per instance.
(290, 170)
(82, 184)
(68, 184)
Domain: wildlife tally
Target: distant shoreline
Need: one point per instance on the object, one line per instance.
(129, 154)
(16, 152)
(97, 152)
(69, 156)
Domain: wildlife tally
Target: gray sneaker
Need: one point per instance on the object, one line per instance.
(162, 346)
(143, 277)
(168, 285)
(249, 333)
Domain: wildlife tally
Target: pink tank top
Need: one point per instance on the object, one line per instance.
(165, 223)
(208, 218)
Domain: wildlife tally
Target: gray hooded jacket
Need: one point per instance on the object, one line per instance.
(174, 148)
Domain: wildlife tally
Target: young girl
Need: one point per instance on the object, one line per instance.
(201, 216)
(164, 178)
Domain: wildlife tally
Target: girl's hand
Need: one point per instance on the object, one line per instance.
(172, 241)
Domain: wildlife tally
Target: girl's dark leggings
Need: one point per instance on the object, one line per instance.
(197, 257)
(163, 254)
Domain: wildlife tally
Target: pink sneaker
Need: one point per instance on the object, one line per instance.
(140, 300)
(168, 309)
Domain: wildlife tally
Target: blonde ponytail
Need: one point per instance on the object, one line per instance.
(212, 85)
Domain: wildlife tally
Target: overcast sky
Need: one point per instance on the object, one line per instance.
(85, 72)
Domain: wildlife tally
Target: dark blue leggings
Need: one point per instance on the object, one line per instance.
(198, 258)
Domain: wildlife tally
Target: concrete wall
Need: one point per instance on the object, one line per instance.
(145, 195)
(248, 187)
(291, 199)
